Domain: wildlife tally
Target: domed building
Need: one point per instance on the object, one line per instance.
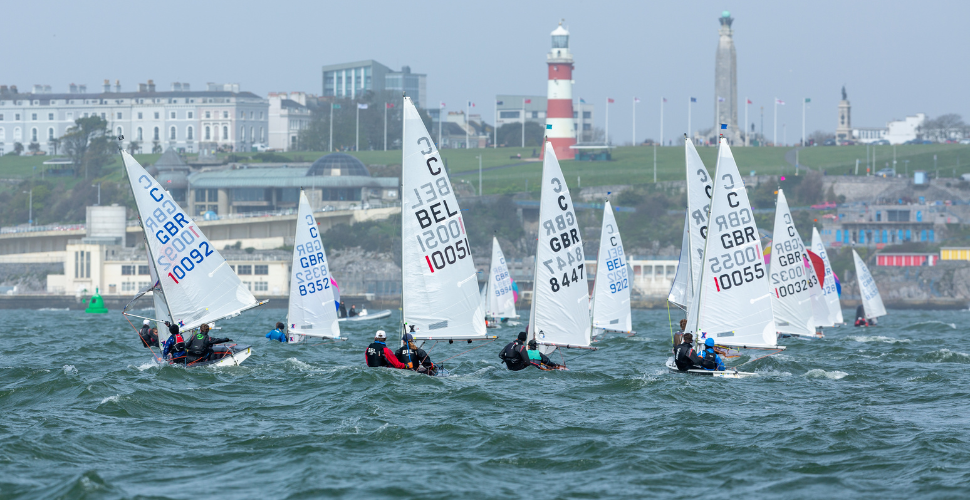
(335, 181)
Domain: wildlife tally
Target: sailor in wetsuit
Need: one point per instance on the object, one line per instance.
(514, 355)
(684, 353)
(378, 354)
(342, 311)
(146, 336)
(174, 346)
(353, 311)
(199, 346)
(539, 360)
(279, 333)
(860, 317)
(413, 357)
(709, 359)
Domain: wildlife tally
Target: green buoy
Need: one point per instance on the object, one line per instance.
(96, 304)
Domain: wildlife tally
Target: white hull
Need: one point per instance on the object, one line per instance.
(708, 373)
(364, 317)
(236, 359)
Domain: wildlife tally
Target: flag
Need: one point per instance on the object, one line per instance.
(808, 99)
(609, 100)
(389, 105)
(499, 103)
(336, 106)
(528, 101)
(442, 105)
(664, 99)
(361, 105)
(749, 101)
(720, 99)
(548, 126)
(779, 101)
(693, 99)
(724, 126)
(636, 99)
(582, 101)
(471, 104)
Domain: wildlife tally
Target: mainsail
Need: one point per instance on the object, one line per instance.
(161, 308)
(791, 281)
(561, 293)
(679, 288)
(439, 281)
(611, 289)
(198, 284)
(871, 300)
(312, 310)
(733, 305)
(830, 292)
(499, 301)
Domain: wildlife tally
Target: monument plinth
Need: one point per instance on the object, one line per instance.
(843, 132)
(726, 82)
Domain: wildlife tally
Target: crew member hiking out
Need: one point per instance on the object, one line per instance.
(684, 353)
(199, 346)
(174, 346)
(148, 339)
(708, 359)
(413, 357)
(378, 354)
(278, 334)
(514, 355)
(539, 360)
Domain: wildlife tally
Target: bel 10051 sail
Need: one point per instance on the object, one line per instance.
(198, 284)
(733, 306)
(561, 293)
(312, 310)
(611, 289)
(439, 280)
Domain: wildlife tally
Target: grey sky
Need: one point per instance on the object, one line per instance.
(895, 58)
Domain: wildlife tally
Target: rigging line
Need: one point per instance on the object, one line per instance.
(670, 323)
(140, 337)
(470, 350)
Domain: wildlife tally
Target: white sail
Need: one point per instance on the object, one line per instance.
(830, 291)
(679, 288)
(312, 310)
(440, 283)
(819, 308)
(500, 301)
(791, 284)
(733, 305)
(560, 293)
(699, 191)
(871, 300)
(198, 283)
(611, 289)
(161, 308)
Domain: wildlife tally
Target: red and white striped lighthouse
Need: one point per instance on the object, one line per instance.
(560, 124)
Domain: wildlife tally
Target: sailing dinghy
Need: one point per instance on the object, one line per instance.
(830, 292)
(699, 191)
(791, 281)
(611, 288)
(560, 297)
(498, 295)
(440, 296)
(871, 300)
(312, 310)
(196, 282)
(732, 304)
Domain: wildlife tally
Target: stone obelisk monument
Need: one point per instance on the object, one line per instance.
(726, 83)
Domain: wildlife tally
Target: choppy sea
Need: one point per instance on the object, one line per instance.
(874, 413)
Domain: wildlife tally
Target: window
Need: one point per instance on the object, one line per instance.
(225, 114)
(208, 133)
(33, 116)
(119, 115)
(199, 196)
(263, 270)
(17, 134)
(127, 270)
(508, 114)
(3, 135)
(50, 134)
(172, 115)
(171, 134)
(252, 133)
(262, 136)
(50, 116)
(535, 114)
(143, 270)
(156, 115)
(103, 117)
(261, 286)
(244, 269)
(250, 115)
(140, 115)
(249, 194)
(139, 135)
(120, 132)
(213, 195)
(33, 134)
(155, 135)
(260, 115)
(190, 114)
(225, 133)
(188, 133)
(242, 133)
(128, 286)
(16, 117)
(208, 114)
(1, 117)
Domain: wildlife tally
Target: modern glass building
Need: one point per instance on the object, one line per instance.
(349, 80)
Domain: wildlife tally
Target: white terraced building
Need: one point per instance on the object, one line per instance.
(219, 117)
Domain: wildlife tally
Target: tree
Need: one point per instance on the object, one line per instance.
(510, 135)
(133, 147)
(156, 147)
(819, 136)
(52, 144)
(79, 139)
(943, 127)
(33, 147)
(18, 148)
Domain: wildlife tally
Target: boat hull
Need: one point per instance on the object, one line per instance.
(367, 317)
(709, 373)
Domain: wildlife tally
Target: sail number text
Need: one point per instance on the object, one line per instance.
(167, 222)
(443, 238)
(312, 276)
(562, 233)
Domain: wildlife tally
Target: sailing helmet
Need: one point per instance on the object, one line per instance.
(533, 344)
(709, 342)
(408, 337)
(523, 336)
(380, 335)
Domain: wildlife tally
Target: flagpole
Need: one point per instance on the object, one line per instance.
(607, 121)
(468, 110)
(634, 121)
(580, 135)
(385, 126)
(774, 125)
(803, 123)
(357, 145)
(717, 117)
(440, 109)
(661, 121)
(688, 120)
(495, 128)
(331, 126)
(746, 142)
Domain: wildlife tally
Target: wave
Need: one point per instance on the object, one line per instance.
(831, 375)
(945, 356)
(916, 326)
(70, 370)
(878, 338)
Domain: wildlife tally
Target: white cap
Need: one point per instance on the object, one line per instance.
(380, 335)
(146, 322)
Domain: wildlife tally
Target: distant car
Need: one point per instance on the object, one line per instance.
(965, 141)
(259, 148)
(210, 215)
(886, 172)
(824, 206)
(829, 142)
(846, 143)
(880, 142)
(328, 208)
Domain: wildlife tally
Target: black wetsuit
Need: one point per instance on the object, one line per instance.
(199, 347)
(416, 359)
(148, 339)
(683, 355)
(514, 356)
(342, 312)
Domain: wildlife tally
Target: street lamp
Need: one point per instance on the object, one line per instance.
(99, 192)
(906, 164)
(30, 207)
(479, 175)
